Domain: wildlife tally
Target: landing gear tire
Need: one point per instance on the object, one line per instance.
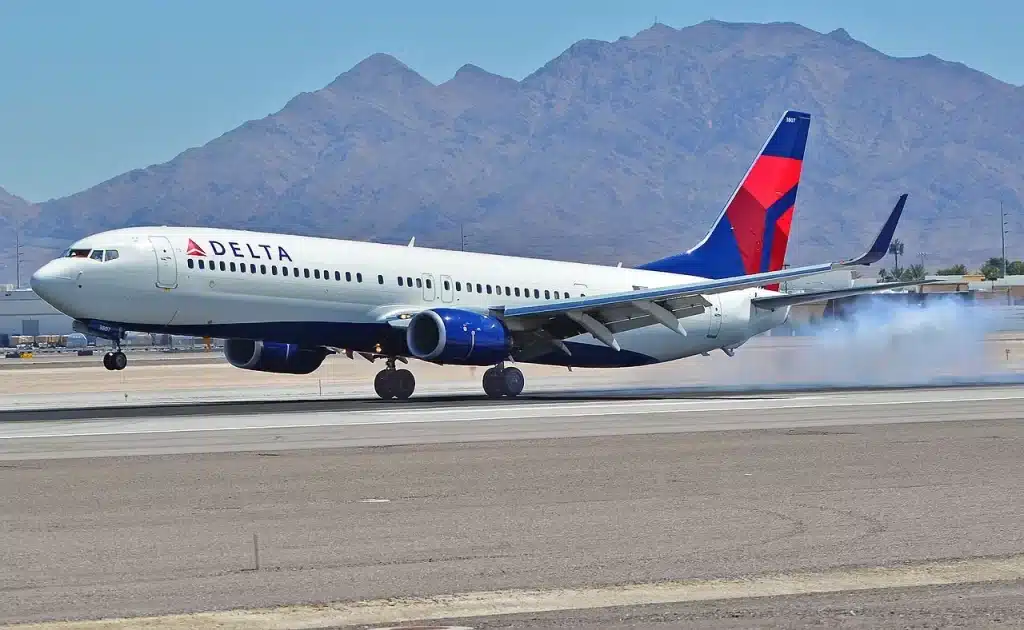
(405, 384)
(115, 360)
(513, 381)
(494, 385)
(383, 384)
(392, 383)
(500, 382)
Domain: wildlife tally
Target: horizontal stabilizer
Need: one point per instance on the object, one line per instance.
(795, 299)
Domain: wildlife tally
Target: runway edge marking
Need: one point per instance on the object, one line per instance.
(510, 602)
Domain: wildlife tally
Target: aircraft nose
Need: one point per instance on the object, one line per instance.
(48, 279)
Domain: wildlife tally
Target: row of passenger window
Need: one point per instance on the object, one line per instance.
(407, 281)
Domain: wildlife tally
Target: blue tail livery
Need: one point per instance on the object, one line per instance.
(751, 234)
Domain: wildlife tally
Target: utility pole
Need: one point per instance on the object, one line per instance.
(17, 259)
(462, 235)
(1002, 235)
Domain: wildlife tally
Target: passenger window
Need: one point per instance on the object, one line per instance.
(536, 293)
(547, 294)
(479, 289)
(273, 270)
(556, 295)
(241, 267)
(469, 287)
(191, 263)
(305, 272)
(97, 254)
(111, 254)
(430, 285)
(419, 283)
(348, 276)
(380, 279)
(458, 286)
(316, 274)
(401, 281)
(337, 276)
(232, 266)
(263, 269)
(327, 275)
(252, 268)
(359, 277)
(295, 271)
(408, 280)
(508, 291)
(447, 285)
(488, 289)
(284, 270)
(517, 291)
(223, 267)
(201, 265)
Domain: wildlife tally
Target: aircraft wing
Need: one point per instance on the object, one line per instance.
(604, 315)
(778, 301)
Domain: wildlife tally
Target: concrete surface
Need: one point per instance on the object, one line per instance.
(511, 497)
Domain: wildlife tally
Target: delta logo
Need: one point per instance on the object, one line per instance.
(239, 250)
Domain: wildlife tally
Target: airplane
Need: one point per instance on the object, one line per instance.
(283, 303)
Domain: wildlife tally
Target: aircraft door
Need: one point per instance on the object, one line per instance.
(428, 287)
(714, 316)
(447, 289)
(166, 265)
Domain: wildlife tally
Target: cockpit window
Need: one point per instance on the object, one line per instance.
(97, 254)
(111, 254)
(78, 253)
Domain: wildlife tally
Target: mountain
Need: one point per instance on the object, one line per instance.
(612, 151)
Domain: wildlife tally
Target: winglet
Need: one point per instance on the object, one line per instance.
(880, 247)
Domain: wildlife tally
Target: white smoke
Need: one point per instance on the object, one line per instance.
(886, 343)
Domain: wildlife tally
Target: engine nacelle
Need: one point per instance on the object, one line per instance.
(451, 335)
(270, 356)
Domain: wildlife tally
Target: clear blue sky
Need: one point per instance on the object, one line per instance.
(90, 89)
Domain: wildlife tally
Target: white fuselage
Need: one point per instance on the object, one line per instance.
(295, 289)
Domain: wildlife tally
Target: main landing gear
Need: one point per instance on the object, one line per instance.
(392, 383)
(503, 381)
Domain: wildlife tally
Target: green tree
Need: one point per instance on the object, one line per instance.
(955, 270)
(896, 249)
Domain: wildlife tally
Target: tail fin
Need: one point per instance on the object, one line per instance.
(751, 234)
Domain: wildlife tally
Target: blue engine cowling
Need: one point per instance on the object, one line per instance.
(451, 335)
(270, 356)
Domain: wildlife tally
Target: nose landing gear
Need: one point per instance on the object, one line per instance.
(115, 360)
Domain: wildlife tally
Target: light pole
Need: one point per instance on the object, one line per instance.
(1002, 235)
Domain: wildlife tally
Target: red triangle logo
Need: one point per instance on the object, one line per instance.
(193, 249)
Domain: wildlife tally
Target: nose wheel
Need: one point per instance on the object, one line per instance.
(502, 381)
(115, 360)
(391, 383)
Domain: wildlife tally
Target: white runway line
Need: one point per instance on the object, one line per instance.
(510, 602)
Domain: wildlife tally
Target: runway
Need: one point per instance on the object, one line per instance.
(585, 500)
(360, 423)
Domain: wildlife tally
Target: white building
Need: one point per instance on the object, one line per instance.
(22, 312)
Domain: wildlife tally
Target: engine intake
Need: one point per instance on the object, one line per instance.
(451, 335)
(270, 356)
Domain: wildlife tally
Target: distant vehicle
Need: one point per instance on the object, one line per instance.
(283, 303)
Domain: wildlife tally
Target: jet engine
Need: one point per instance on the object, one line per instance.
(451, 335)
(270, 356)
